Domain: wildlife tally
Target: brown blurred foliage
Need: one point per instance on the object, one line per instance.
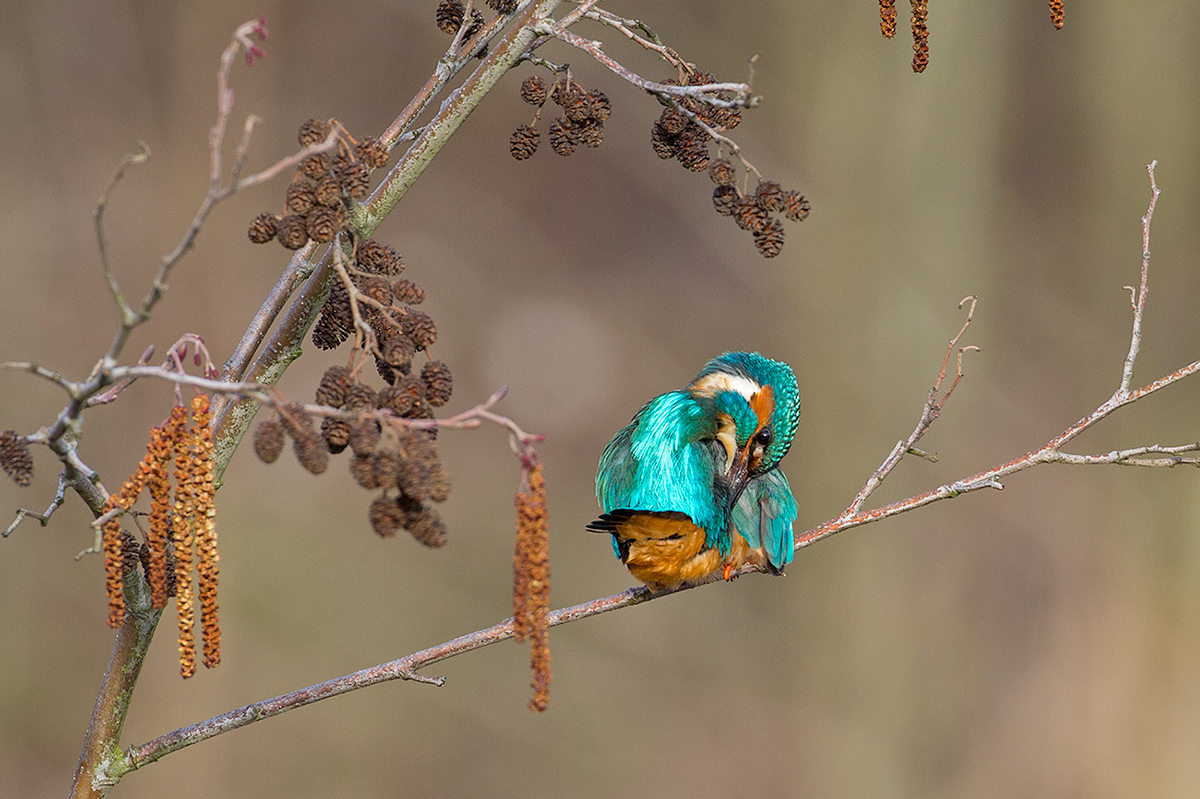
(1040, 641)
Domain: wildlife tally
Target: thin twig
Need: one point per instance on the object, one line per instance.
(1136, 339)
(932, 408)
(704, 93)
(114, 288)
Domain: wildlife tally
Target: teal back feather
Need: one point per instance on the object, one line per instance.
(666, 460)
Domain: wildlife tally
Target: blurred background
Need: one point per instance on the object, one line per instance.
(1040, 641)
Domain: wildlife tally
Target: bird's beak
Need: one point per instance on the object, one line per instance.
(739, 472)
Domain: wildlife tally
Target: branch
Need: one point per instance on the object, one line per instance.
(705, 93)
(1140, 304)
(405, 668)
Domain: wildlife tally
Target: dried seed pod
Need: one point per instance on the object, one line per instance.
(316, 166)
(601, 106)
(419, 326)
(355, 179)
(562, 136)
(449, 16)
(769, 239)
(564, 92)
(725, 200)
(407, 292)
(263, 228)
(328, 191)
(427, 527)
(293, 232)
(662, 141)
(413, 385)
(361, 398)
(749, 215)
(324, 223)
(385, 516)
(334, 386)
(378, 259)
(396, 400)
(769, 196)
(300, 198)
(795, 206)
(399, 350)
(378, 288)
(439, 383)
(419, 444)
(591, 133)
(385, 465)
(578, 107)
(421, 410)
(722, 172)
(268, 440)
(524, 142)
(503, 6)
(311, 451)
(672, 121)
(412, 477)
(372, 153)
(15, 458)
(327, 334)
(533, 90)
(336, 320)
(692, 152)
(362, 472)
(314, 131)
(439, 482)
(364, 436)
(336, 433)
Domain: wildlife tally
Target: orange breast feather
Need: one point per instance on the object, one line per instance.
(665, 550)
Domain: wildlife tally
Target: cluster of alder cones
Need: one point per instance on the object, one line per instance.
(370, 303)
(581, 120)
(752, 211)
(387, 455)
(316, 201)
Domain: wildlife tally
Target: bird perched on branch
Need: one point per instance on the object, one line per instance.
(690, 487)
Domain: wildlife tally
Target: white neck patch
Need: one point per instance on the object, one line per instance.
(714, 383)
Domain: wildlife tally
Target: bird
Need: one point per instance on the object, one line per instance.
(691, 486)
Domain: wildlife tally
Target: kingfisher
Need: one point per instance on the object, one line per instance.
(691, 487)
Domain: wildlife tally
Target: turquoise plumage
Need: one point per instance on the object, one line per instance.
(690, 487)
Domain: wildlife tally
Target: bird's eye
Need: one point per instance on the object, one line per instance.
(763, 437)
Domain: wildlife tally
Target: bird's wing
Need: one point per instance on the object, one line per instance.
(664, 460)
(764, 515)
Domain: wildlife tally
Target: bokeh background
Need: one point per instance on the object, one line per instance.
(1040, 641)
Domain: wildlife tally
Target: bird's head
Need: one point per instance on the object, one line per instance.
(757, 403)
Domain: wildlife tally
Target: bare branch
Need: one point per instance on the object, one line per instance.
(44, 517)
(933, 407)
(1140, 305)
(114, 288)
(704, 93)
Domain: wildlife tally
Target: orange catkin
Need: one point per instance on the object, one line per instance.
(531, 582)
(1057, 13)
(887, 17)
